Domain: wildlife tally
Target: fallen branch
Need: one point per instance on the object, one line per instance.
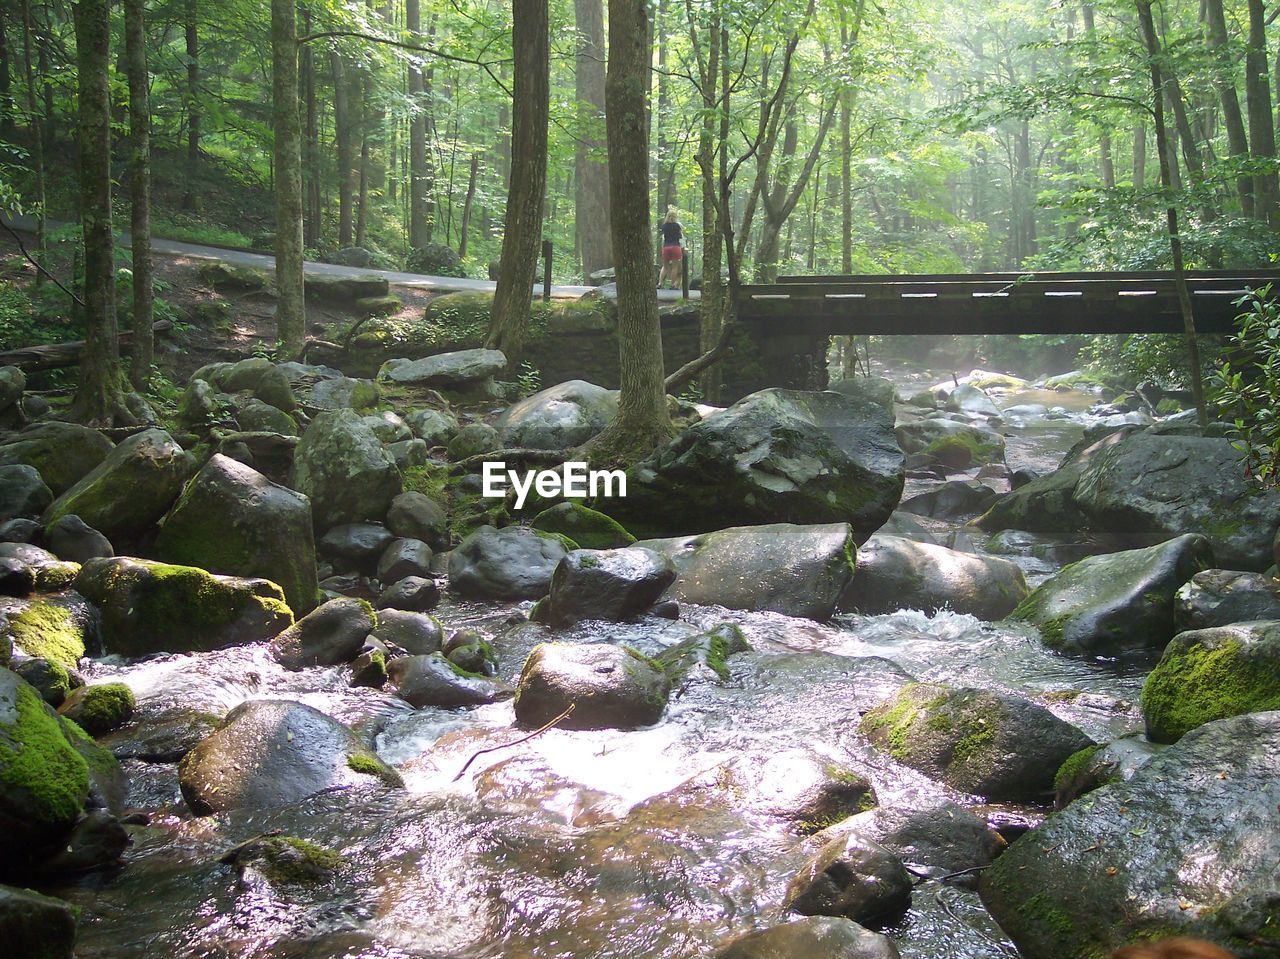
(523, 739)
(686, 373)
(32, 260)
(517, 455)
(53, 356)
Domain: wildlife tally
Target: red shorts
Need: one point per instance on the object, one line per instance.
(672, 254)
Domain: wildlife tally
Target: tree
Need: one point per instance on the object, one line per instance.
(1224, 83)
(420, 178)
(590, 173)
(287, 154)
(522, 231)
(642, 421)
(1262, 130)
(140, 190)
(191, 36)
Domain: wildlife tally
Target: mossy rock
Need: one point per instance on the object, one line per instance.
(54, 628)
(286, 860)
(229, 276)
(586, 527)
(1209, 674)
(962, 450)
(379, 306)
(215, 314)
(108, 785)
(710, 650)
(52, 679)
(100, 708)
(35, 926)
(63, 453)
(150, 607)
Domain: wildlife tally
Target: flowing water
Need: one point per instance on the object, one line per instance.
(573, 844)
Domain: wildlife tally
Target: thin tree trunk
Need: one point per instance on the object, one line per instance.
(1105, 162)
(1224, 83)
(591, 170)
(1262, 130)
(312, 227)
(1139, 155)
(8, 106)
(345, 148)
(37, 124)
(287, 158)
(135, 38)
(464, 228)
(530, 104)
(419, 177)
(191, 200)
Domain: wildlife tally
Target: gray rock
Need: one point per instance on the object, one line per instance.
(356, 256)
(448, 370)
(71, 539)
(255, 416)
(824, 936)
(558, 418)
(432, 680)
(36, 926)
(969, 399)
(955, 445)
(344, 393)
(854, 878)
(416, 633)
(416, 594)
(332, 633)
(472, 440)
(404, 557)
(63, 453)
(409, 454)
(326, 288)
(609, 687)
(1220, 597)
(939, 841)
(22, 492)
(609, 584)
(21, 531)
(355, 546)
(508, 563)
(434, 427)
(1098, 765)
(877, 389)
(415, 515)
(387, 426)
(12, 384)
(344, 470)
(959, 498)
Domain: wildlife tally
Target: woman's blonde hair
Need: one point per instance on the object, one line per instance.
(671, 214)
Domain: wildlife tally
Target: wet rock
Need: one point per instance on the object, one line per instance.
(1188, 847)
(59, 627)
(446, 370)
(610, 584)
(36, 926)
(558, 418)
(150, 607)
(73, 540)
(875, 389)
(959, 498)
(1220, 597)
(100, 708)
(344, 470)
(794, 570)
(1099, 765)
(610, 687)
(332, 633)
(588, 528)
(830, 938)
(22, 492)
(894, 573)
(16, 578)
(937, 841)
(285, 860)
(269, 753)
(434, 427)
(709, 650)
(473, 440)
(52, 680)
(994, 745)
(508, 563)
(470, 651)
(51, 574)
(130, 490)
(417, 594)
(774, 456)
(853, 878)
(63, 453)
(370, 667)
(233, 520)
(355, 546)
(98, 839)
(955, 445)
(432, 680)
(415, 515)
(1117, 603)
(21, 531)
(403, 558)
(163, 737)
(970, 399)
(416, 633)
(1214, 673)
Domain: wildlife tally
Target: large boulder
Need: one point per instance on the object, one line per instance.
(331, 633)
(824, 936)
(774, 456)
(59, 627)
(36, 926)
(895, 573)
(795, 570)
(1220, 597)
(1187, 847)
(22, 492)
(64, 453)
(345, 288)
(456, 370)
(343, 468)
(956, 445)
(269, 753)
(1208, 674)
(609, 687)
(507, 563)
(558, 418)
(1115, 603)
(150, 607)
(587, 527)
(231, 519)
(130, 490)
(606, 584)
(976, 740)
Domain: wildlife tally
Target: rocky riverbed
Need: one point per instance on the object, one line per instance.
(816, 687)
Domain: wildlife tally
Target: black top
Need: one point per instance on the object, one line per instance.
(672, 234)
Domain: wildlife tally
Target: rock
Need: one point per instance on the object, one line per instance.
(1220, 597)
(63, 453)
(951, 500)
(709, 650)
(129, 490)
(228, 276)
(955, 445)
(409, 454)
(100, 708)
(332, 633)
(344, 470)
(1214, 673)
(345, 289)
(416, 633)
(404, 557)
(73, 540)
(774, 456)
(150, 607)
(994, 745)
(378, 306)
(387, 427)
(43, 781)
(970, 399)
(344, 393)
(853, 878)
(610, 687)
(611, 584)
(269, 753)
(470, 651)
(231, 519)
(35, 926)
(937, 841)
(463, 368)
(12, 384)
(255, 416)
(16, 579)
(413, 593)
(22, 492)
(99, 839)
(285, 860)
(473, 440)
(370, 667)
(794, 570)
(52, 680)
(1096, 766)
(415, 515)
(355, 546)
(434, 259)
(1193, 848)
(434, 427)
(51, 574)
(586, 527)
(59, 627)
(895, 573)
(558, 418)
(875, 389)
(509, 563)
(21, 531)
(1116, 603)
(432, 680)
(356, 256)
(818, 936)
(1155, 487)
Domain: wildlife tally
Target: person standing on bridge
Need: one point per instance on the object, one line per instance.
(672, 250)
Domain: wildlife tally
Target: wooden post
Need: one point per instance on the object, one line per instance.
(546, 269)
(684, 274)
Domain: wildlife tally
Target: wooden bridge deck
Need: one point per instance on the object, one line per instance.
(1052, 303)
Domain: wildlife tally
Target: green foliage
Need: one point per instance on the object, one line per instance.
(1124, 361)
(1246, 386)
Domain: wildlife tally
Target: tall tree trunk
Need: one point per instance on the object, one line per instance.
(591, 170)
(464, 228)
(135, 39)
(312, 217)
(642, 421)
(342, 134)
(1224, 82)
(1262, 130)
(711, 306)
(419, 164)
(8, 106)
(287, 159)
(1139, 155)
(37, 124)
(98, 399)
(522, 231)
(191, 25)
(1105, 161)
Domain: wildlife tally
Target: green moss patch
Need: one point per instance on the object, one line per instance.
(48, 631)
(45, 781)
(100, 709)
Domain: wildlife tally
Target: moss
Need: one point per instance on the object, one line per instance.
(563, 540)
(589, 528)
(37, 763)
(292, 861)
(896, 719)
(1197, 682)
(368, 764)
(1048, 918)
(1075, 765)
(48, 631)
(102, 708)
(55, 577)
(102, 763)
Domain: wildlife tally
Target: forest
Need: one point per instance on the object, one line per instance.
(639, 479)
